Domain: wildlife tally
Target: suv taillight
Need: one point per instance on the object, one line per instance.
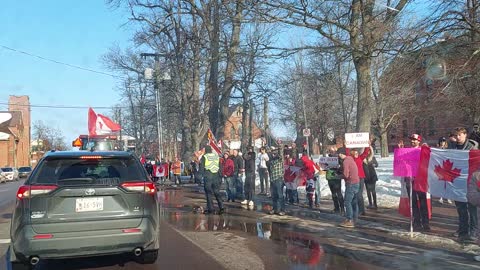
(30, 191)
(146, 187)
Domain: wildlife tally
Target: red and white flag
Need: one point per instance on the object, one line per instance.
(100, 125)
(158, 170)
(446, 172)
(213, 142)
(404, 205)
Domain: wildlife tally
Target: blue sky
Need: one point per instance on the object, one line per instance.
(74, 32)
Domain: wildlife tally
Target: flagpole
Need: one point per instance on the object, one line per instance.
(411, 208)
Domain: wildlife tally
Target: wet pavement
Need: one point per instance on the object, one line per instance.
(247, 238)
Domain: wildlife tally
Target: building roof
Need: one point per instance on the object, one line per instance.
(15, 121)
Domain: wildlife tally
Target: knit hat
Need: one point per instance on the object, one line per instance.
(416, 137)
(342, 151)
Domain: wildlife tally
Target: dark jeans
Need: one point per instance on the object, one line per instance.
(277, 196)
(177, 179)
(292, 196)
(212, 187)
(420, 215)
(361, 202)
(238, 187)
(231, 188)
(371, 193)
(467, 219)
(263, 180)
(351, 201)
(249, 186)
(337, 196)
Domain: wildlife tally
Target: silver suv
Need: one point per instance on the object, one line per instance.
(78, 204)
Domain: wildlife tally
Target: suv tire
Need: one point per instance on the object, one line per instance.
(148, 257)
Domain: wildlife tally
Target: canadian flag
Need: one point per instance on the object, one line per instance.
(158, 170)
(446, 172)
(100, 125)
(404, 205)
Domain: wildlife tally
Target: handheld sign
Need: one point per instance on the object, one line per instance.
(357, 140)
(327, 162)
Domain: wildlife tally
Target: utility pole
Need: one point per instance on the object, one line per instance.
(265, 119)
(305, 117)
(156, 57)
(250, 123)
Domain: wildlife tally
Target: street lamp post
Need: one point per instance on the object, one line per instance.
(149, 74)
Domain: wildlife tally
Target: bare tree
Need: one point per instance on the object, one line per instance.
(47, 137)
(360, 28)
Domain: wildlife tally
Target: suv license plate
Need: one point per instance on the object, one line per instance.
(88, 204)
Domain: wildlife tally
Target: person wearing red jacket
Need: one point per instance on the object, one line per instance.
(227, 174)
(361, 173)
(289, 178)
(309, 172)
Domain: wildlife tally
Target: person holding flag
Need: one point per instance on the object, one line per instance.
(210, 170)
(418, 200)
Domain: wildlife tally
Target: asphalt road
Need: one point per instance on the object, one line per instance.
(247, 238)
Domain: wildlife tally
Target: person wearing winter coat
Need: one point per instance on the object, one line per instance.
(361, 173)
(369, 165)
(334, 180)
(352, 182)
(228, 175)
(249, 187)
(289, 178)
(467, 212)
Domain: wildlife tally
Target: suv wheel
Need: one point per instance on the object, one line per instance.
(148, 257)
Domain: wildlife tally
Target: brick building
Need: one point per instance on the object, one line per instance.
(442, 76)
(15, 139)
(233, 128)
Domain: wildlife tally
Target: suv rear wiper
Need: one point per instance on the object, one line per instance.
(75, 181)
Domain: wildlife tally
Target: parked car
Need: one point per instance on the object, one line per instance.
(10, 173)
(24, 172)
(3, 178)
(85, 204)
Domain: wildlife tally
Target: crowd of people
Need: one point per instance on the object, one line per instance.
(282, 170)
(467, 211)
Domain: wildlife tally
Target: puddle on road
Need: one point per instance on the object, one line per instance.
(298, 250)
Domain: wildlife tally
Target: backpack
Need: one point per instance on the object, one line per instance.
(331, 175)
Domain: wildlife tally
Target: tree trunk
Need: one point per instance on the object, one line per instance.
(384, 144)
(364, 89)
(230, 70)
(213, 113)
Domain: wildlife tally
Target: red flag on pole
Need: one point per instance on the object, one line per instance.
(100, 124)
(213, 142)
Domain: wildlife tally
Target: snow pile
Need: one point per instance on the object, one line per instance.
(388, 187)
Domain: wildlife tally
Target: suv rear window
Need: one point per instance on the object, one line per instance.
(77, 171)
(24, 169)
(7, 169)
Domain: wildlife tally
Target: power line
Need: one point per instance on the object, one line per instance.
(71, 107)
(59, 62)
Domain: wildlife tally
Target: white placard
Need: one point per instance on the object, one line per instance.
(327, 162)
(357, 140)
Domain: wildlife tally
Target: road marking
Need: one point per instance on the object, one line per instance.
(4, 241)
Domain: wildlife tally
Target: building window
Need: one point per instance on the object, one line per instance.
(431, 126)
(417, 125)
(405, 128)
(239, 128)
(232, 133)
(429, 87)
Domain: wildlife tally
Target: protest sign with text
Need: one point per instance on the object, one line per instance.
(357, 140)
